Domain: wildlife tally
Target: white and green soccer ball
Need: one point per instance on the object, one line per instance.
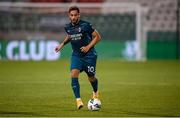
(94, 104)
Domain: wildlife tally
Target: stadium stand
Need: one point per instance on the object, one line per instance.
(161, 13)
(160, 17)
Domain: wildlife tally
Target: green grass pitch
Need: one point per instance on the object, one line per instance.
(149, 88)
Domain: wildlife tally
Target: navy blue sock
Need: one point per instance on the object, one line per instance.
(95, 85)
(75, 87)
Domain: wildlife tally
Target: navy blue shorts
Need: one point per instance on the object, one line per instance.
(87, 64)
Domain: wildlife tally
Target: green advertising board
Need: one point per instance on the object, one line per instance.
(28, 50)
(44, 50)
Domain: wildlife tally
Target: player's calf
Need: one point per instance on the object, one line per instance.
(94, 84)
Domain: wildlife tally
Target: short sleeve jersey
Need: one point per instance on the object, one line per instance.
(80, 35)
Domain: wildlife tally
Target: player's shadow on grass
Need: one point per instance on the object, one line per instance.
(12, 113)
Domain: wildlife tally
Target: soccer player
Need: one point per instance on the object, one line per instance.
(83, 38)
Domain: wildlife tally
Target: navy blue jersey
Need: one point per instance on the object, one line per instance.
(80, 35)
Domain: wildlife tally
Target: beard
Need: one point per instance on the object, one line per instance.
(75, 21)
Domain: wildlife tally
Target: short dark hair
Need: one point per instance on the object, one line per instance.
(74, 8)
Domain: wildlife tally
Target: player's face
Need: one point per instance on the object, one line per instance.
(74, 16)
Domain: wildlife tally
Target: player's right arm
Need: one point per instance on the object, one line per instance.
(61, 45)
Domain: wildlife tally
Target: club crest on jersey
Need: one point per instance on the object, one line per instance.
(79, 29)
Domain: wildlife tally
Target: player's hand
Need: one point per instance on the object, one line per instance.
(85, 49)
(59, 47)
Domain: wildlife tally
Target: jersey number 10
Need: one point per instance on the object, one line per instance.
(91, 69)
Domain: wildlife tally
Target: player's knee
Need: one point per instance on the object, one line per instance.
(74, 74)
(92, 79)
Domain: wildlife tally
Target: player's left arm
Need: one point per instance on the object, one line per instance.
(96, 38)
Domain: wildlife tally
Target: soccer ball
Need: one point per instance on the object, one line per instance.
(94, 104)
